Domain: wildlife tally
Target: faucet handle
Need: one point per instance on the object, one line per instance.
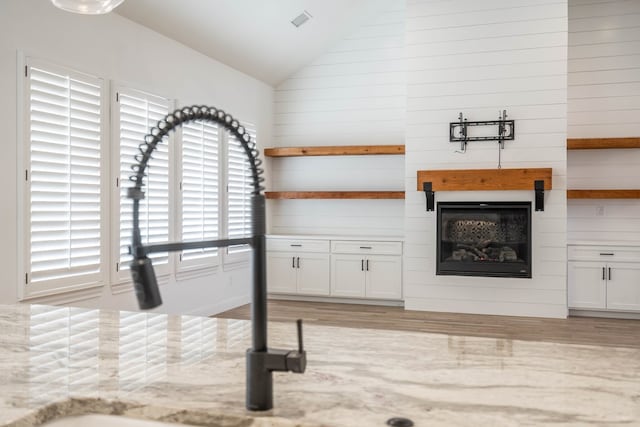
(300, 344)
(296, 361)
(286, 360)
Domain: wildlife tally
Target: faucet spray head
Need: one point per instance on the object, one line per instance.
(145, 283)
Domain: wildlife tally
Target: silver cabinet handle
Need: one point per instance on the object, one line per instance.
(361, 265)
(609, 273)
(607, 253)
(296, 246)
(603, 274)
(293, 262)
(367, 265)
(365, 247)
(298, 262)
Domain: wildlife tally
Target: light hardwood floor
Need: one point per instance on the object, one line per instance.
(574, 330)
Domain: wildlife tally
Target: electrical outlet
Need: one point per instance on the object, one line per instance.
(599, 210)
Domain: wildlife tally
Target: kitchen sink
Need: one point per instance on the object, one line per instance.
(96, 420)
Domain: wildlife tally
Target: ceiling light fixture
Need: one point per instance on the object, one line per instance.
(301, 19)
(87, 7)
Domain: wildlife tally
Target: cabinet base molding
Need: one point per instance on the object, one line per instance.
(605, 314)
(364, 301)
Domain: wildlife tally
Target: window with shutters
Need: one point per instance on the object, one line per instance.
(239, 188)
(137, 113)
(199, 189)
(63, 180)
(72, 239)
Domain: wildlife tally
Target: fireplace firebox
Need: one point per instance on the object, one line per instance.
(484, 239)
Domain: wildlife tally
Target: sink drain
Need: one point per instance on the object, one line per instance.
(399, 422)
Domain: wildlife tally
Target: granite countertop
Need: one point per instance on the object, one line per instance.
(57, 361)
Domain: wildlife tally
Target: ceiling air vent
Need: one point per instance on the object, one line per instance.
(301, 19)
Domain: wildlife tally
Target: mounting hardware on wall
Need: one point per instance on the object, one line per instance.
(428, 192)
(459, 132)
(538, 186)
(462, 125)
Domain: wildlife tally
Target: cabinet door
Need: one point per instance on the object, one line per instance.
(281, 272)
(313, 274)
(586, 285)
(384, 277)
(347, 276)
(623, 286)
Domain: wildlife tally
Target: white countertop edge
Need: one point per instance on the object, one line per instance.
(603, 243)
(336, 237)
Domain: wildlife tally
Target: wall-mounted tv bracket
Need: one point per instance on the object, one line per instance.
(428, 192)
(538, 186)
(462, 126)
(458, 131)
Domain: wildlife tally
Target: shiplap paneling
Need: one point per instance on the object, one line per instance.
(480, 58)
(604, 101)
(355, 94)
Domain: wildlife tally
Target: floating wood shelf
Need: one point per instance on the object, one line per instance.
(334, 150)
(484, 179)
(334, 194)
(603, 194)
(602, 143)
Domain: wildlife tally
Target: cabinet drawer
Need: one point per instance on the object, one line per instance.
(301, 245)
(366, 247)
(604, 253)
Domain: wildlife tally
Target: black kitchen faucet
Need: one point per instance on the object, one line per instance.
(261, 361)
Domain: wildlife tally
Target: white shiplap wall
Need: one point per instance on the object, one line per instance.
(604, 101)
(352, 95)
(479, 58)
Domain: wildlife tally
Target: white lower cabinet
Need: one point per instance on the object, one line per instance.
(383, 277)
(587, 286)
(340, 268)
(365, 269)
(604, 278)
(372, 276)
(347, 276)
(298, 273)
(623, 287)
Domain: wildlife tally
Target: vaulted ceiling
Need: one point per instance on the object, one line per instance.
(255, 37)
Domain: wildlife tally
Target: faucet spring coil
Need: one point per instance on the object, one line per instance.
(185, 115)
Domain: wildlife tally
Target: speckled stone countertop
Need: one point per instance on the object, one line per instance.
(57, 361)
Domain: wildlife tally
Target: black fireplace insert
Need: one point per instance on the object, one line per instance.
(484, 239)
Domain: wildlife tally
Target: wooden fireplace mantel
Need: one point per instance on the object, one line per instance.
(484, 179)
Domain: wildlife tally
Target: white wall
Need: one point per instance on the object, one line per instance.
(115, 48)
(352, 95)
(604, 101)
(479, 58)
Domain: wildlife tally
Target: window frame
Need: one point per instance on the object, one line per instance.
(209, 264)
(235, 259)
(121, 277)
(83, 282)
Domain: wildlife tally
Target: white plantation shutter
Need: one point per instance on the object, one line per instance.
(199, 184)
(137, 114)
(239, 188)
(63, 177)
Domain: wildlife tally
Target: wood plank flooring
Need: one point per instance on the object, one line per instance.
(574, 330)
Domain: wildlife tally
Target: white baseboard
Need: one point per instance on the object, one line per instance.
(486, 307)
(605, 314)
(392, 303)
